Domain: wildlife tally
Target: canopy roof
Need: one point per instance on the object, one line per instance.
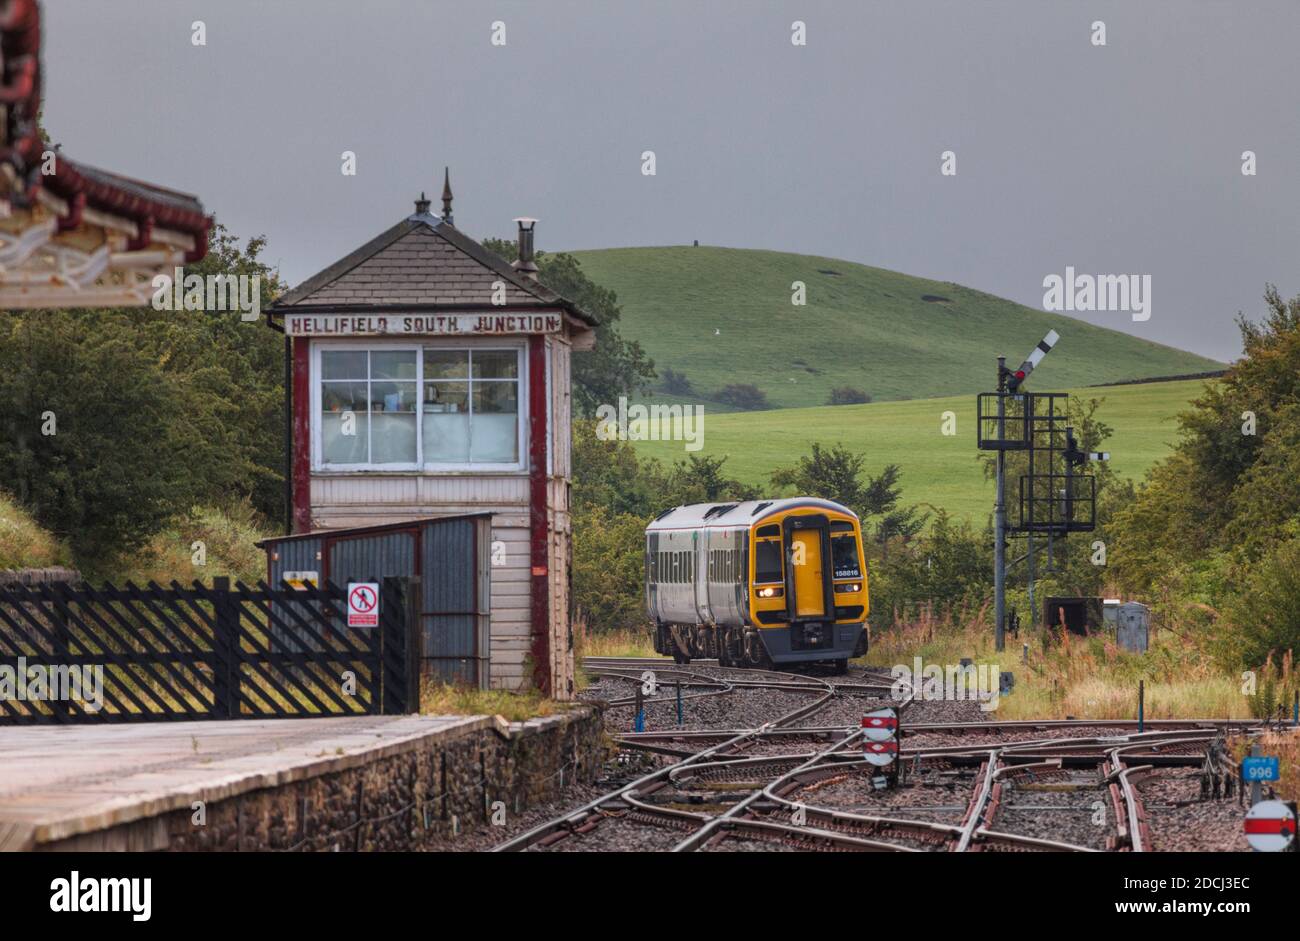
(72, 235)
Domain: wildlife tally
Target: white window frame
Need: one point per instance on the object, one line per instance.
(519, 347)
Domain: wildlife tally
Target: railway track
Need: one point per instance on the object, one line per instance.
(798, 781)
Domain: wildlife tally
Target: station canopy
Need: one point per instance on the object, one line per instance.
(72, 235)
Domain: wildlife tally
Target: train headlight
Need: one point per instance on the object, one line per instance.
(771, 592)
(850, 588)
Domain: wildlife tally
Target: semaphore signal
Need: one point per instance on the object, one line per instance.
(1012, 420)
(1014, 379)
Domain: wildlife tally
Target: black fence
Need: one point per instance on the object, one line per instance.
(82, 654)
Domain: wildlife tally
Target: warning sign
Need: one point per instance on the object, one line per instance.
(363, 604)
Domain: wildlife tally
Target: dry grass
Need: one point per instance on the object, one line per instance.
(1066, 675)
(444, 699)
(229, 536)
(23, 544)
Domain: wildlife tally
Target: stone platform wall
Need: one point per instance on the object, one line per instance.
(419, 798)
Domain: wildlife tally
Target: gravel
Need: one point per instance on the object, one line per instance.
(1072, 808)
(619, 835)
(1202, 826)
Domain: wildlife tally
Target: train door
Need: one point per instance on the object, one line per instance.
(701, 544)
(806, 560)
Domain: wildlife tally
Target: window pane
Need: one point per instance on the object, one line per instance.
(496, 364)
(343, 396)
(337, 400)
(392, 364)
(446, 422)
(337, 364)
(446, 364)
(392, 422)
(392, 438)
(392, 397)
(444, 397)
(495, 397)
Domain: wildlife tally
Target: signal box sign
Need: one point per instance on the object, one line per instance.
(357, 325)
(363, 604)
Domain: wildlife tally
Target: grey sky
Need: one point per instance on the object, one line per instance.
(1123, 159)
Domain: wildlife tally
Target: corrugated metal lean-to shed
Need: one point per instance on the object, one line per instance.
(452, 557)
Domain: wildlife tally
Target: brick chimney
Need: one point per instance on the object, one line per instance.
(524, 264)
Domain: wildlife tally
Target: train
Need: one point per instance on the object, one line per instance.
(758, 583)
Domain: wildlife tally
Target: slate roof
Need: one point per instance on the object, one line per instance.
(422, 261)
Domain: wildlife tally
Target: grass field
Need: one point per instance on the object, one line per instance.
(723, 316)
(936, 469)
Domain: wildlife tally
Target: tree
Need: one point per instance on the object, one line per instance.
(835, 473)
(95, 432)
(675, 383)
(615, 367)
(703, 475)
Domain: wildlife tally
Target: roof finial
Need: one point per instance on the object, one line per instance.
(446, 195)
(421, 205)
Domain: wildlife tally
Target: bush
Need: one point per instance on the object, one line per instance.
(847, 395)
(609, 570)
(1264, 615)
(675, 383)
(743, 396)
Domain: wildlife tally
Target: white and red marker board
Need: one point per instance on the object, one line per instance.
(880, 736)
(1270, 826)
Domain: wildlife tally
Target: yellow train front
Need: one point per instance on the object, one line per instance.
(759, 583)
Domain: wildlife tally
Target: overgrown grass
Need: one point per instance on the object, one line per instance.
(23, 543)
(629, 643)
(229, 537)
(444, 699)
(1065, 676)
(1285, 745)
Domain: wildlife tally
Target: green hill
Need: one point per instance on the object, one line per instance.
(939, 470)
(723, 315)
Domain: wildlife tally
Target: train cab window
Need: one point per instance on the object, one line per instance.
(767, 561)
(844, 555)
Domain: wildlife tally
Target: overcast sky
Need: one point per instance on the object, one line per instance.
(1122, 159)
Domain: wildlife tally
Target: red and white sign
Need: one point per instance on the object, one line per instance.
(880, 725)
(1270, 827)
(880, 753)
(363, 604)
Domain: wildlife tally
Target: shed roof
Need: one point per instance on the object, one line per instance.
(426, 261)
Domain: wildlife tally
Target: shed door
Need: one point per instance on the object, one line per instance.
(457, 591)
